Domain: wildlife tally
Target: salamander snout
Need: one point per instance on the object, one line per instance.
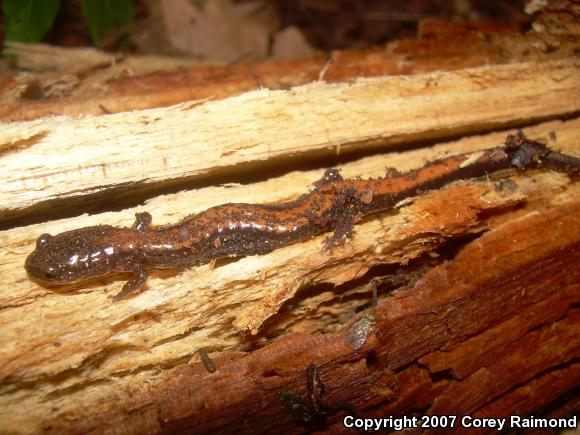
(39, 271)
(38, 263)
(44, 262)
(67, 257)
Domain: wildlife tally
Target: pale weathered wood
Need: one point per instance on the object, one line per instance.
(71, 352)
(69, 158)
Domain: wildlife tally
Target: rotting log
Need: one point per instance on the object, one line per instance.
(477, 258)
(440, 45)
(71, 162)
(398, 371)
(478, 314)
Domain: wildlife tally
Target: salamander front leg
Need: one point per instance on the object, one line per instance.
(330, 176)
(140, 276)
(142, 221)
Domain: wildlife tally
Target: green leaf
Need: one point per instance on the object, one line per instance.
(29, 20)
(104, 15)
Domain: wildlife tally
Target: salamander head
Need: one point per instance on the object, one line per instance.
(70, 257)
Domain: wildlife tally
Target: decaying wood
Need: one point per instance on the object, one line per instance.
(478, 313)
(75, 158)
(396, 371)
(122, 86)
(66, 351)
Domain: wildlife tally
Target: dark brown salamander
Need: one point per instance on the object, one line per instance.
(233, 230)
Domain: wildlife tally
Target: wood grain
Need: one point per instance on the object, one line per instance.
(71, 159)
(67, 350)
(487, 312)
(136, 83)
(383, 377)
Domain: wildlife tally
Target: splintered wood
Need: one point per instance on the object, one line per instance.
(72, 158)
(491, 264)
(397, 372)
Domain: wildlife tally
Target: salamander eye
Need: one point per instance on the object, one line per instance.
(49, 274)
(43, 240)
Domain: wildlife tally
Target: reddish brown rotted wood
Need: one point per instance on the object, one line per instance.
(551, 346)
(539, 392)
(483, 349)
(450, 304)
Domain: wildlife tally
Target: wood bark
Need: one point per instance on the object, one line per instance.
(478, 314)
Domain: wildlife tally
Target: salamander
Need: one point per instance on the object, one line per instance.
(233, 230)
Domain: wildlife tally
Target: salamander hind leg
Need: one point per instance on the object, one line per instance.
(139, 278)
